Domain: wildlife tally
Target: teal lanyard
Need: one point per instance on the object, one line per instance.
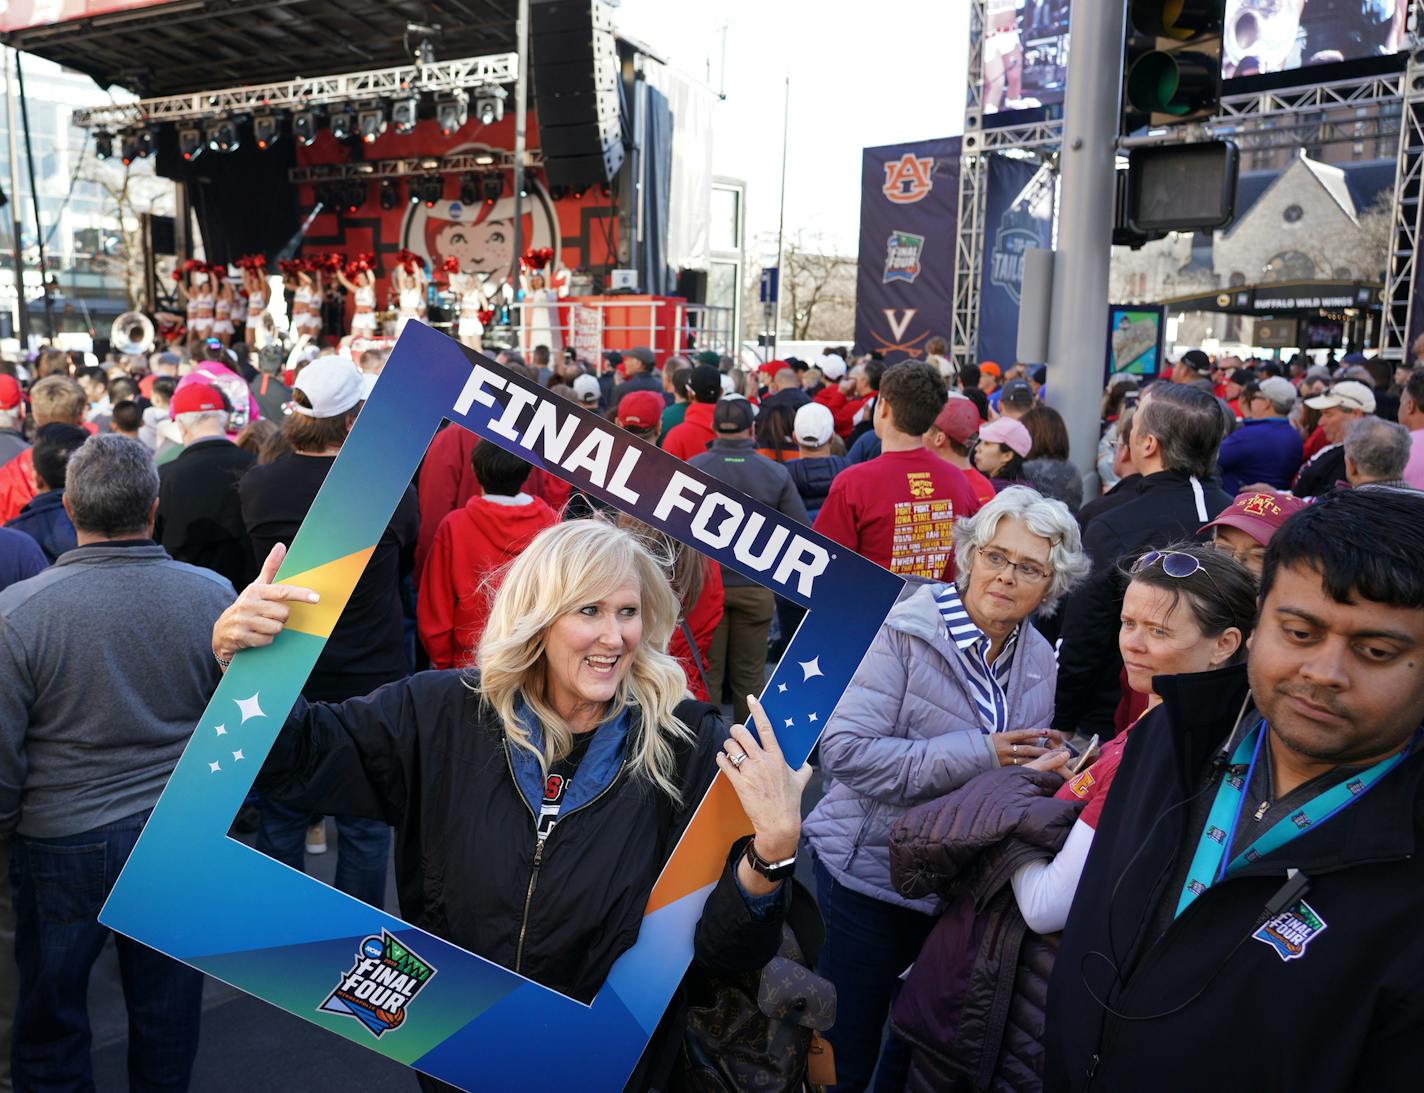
(1210, 866)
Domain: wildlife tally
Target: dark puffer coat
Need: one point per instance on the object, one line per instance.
(973, 1006)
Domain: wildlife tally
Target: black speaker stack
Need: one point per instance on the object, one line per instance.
(576, 97)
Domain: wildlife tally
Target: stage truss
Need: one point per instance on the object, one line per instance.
(470, 73)
(377, 169)
(1324, 113)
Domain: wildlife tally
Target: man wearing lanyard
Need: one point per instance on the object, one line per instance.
(1255, 889)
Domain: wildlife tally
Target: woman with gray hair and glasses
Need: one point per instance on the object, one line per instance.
(955, 684)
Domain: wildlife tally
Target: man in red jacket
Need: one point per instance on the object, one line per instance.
(695, 433)
(471, 546)
(899, 508)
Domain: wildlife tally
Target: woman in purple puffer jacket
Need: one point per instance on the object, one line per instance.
(956, 683)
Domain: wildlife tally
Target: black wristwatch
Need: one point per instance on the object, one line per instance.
(771, 870)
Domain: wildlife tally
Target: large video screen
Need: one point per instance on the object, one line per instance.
(1025, 55)
(1263, 36)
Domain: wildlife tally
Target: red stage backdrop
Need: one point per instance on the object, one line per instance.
(581, 231)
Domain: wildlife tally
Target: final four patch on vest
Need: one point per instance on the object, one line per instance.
(1291, 931)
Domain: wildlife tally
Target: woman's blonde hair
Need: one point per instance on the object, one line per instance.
(565, 567)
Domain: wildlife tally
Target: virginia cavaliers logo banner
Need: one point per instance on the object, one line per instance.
(908, 204)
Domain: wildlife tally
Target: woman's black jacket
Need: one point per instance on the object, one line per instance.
(427, 756)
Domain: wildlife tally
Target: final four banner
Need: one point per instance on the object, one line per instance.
(191, 891)
(1018, 214)
(909, 197)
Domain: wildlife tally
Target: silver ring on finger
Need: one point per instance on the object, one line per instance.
(738, 759)
(1013, 749)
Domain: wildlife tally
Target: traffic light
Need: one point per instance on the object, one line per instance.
(1171, 61)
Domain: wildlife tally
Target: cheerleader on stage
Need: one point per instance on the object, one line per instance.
(305, 285)
(408, 282)
(359, 277)
(223, 304)
(470, 307)
(541, 304)
(194, 285)
(254, 283)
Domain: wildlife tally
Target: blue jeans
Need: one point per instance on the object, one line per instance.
(59, 886)
(362, 851)
(868, 944)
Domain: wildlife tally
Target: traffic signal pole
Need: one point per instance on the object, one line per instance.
(1077, 336)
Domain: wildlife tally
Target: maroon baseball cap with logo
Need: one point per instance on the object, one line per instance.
(1259, 513)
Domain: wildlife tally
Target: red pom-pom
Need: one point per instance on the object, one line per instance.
(451, 264)
(485, 314)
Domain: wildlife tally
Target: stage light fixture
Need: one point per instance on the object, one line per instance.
(103, 143)
(223, 136)
(342, 122)
(191, 143)
(136, 144)
(405, 112)
(432, 189)
(489, 108)
(266, 130)
(484, 159)
(469, 189)
(492, 186)
(452, 110)
(559, 192)
(353, 194)
(305, 125)
(370, 120)
(389, 195)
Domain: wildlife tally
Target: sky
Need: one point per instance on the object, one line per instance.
(856, 81)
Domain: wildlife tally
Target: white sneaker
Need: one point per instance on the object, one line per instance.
(316, 837)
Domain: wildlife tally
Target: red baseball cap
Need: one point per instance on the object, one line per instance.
(10, 393)
(641, 410)
(195, 398)
(1259, 513)
(959, 420)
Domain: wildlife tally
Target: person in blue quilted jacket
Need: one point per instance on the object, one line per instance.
(957, 682)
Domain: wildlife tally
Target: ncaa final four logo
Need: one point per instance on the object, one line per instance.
(381, 984)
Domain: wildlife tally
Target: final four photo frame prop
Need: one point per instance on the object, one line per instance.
(194, 893)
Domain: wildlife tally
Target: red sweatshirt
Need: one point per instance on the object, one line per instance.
(470, 544)
(694, 434)
(447, 481)
(898, 510)
(702, 620)
(17, 485)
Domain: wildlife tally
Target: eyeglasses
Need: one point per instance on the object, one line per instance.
(1031, 572)
(1174, 563)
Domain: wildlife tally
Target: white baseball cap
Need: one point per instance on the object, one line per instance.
(331, 384)
(813, 425)
(586, 388)
(831, 366)
(1348, 395)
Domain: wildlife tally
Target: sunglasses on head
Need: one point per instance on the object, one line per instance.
(1174, 563)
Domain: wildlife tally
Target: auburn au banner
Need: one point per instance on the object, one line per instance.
(908, 206)
(1018, 214)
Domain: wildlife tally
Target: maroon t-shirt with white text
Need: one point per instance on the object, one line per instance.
(898, 510)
